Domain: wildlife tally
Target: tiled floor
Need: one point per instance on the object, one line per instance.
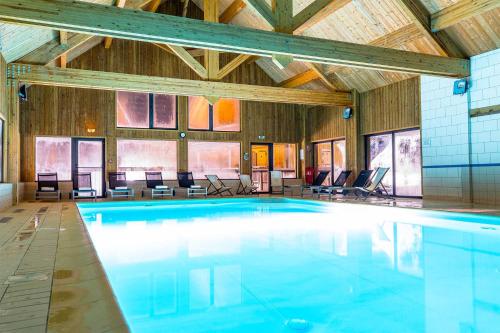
(51, 279)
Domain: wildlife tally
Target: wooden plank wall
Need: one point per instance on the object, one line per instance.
(65, 111)
(392, 107)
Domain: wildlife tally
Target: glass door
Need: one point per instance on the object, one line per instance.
(261, 161)
(408, 163)
(88, 157)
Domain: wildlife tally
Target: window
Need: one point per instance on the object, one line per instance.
(137, 156)
(53, 154)
(223, 116)
(285, 159)
(140, 110)
(214, 158)
(399, 151)
(325, 160)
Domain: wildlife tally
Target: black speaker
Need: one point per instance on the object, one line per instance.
(23, 93)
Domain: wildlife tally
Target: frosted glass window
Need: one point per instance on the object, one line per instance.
(214, 158)
(380, 155)
(132, 109)
(285, 159)
(323, 160)
(226, 115)
(199, 112)
(165, 111)
(223, 116)
(339, 160)
(53, 154)
(137, 156)
(408, 163)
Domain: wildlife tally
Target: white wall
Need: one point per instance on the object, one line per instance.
(459, 155)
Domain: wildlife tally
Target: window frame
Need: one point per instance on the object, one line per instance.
(211, 119)
(151, 111)
(297, 157)
(224, 179)
(393, 140)
(332, 157)
(70, 159)
(148, 139)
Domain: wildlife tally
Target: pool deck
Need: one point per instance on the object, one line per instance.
(52, 281)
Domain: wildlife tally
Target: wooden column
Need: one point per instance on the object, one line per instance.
(354, 140)
(211, 14)
(13, 170)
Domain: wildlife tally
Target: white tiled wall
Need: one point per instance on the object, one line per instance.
(455, 151)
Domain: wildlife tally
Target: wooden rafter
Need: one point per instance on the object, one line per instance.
(232, 65)
(300, 79)
(187, 58)
(261, 8)
(283, 13)
(315, 13)
(153, 6)
(230, 13)
(52, 50)
(459, 11)
(417, 12)
(137, 25)
(78, 78)
(185, 6)
(108, 40)
(330, 85)
(399, 37)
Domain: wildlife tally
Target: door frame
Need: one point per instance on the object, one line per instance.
(74, 158)
(269, 162)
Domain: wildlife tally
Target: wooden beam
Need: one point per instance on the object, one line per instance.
(262, 9)
(185, 6)
(459, 11)
(283, 13)
(443, 43)
(329, 84)
(187, 58)
(153, 6)
(211, 14)
(398, 37)
(234, 9)
(493, 109)
(316, 12)
(85, 79)
(108, 40)
(63, 40)
(299, 79)
(138, 25)
(232, 65)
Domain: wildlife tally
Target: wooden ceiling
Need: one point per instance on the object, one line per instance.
(385, 23)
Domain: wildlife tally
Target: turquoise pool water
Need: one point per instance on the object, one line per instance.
(284, 265)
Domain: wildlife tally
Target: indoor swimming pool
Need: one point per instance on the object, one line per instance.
(289, 265)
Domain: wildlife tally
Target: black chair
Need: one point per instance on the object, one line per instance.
(48, 186)
(316, 185)
(82, 186)
(118, 187)
(186, 181)
(337, 185)
(360, 181)
(154, 184)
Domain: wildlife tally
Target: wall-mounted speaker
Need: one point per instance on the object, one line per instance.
(347, 112)
(460, 87)
(23, 93)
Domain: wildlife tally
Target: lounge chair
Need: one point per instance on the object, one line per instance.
(218, 185)
(155, 186)
(118, 187)
(337, 185)
(246, 185)
(360, 181)
(48, 186)
(186, 181)
(316, 185)
(277, 182)
(374, 185)
(82, 186)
